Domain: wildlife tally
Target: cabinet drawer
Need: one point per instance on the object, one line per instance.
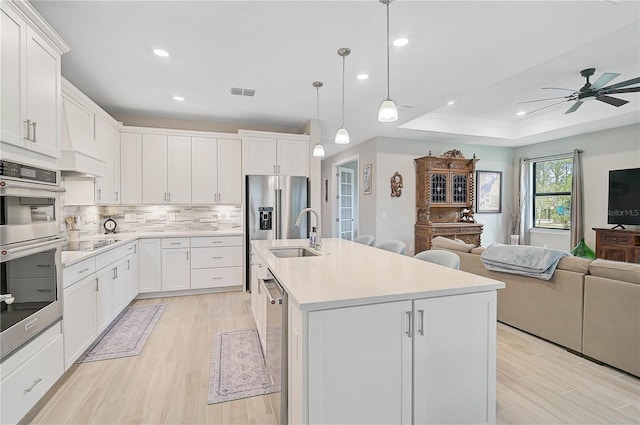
(216, 277)
(111, 256)
(616, 240)
(23, 267)
(225, 256)
(216, 241)
(175, 243)
(75, 272)
(23, 388)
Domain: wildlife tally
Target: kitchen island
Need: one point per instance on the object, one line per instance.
(377, 337)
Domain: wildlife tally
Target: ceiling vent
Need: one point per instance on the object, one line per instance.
(242, 92)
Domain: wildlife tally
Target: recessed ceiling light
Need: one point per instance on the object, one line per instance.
(161, 53)
(451, 102)
(362, 76)
(178, 98)
(399, 42)
(521, 113)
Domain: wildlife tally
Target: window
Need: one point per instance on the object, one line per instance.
(552, 193)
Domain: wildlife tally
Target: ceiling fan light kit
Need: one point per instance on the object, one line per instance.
(318, 149)
(342, 135)
(595, 91)
(388, 110)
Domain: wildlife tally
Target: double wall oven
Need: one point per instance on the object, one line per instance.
(30, 253)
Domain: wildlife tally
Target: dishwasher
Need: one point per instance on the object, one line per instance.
(276, 352)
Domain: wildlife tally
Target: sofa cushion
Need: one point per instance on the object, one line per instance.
(452, 244)
(616, 270)
(575, 264)
(478, 250)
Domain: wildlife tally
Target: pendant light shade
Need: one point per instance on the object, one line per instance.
(388, 111)
(318, 149)
(342, 136)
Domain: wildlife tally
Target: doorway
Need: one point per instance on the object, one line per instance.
(346, 209)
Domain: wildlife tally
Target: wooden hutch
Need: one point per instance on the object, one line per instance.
(618, 245)
(445, 189)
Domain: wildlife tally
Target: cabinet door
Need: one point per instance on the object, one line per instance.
(79, 313)
(80, 123)
(229, 171)
(12, 31)
(133, 271)
(43, 93)
(105, 306)
(154, 169)
(149, 265)
(120, 291)
(105, 194)
(116, 166)
(259, 155)
(204, 171)
(179, 170)
(130, 169)
(360, 364)
(293, 158)
(176, 273)
(454, 359)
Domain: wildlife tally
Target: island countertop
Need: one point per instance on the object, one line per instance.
(348, 274)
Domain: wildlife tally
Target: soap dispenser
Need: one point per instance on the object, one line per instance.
(312, 237)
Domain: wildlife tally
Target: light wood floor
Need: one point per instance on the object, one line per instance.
(538, 382)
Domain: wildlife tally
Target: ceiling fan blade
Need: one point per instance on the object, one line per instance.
(623, 84)
(604, 80)
(574, 107)
(612, 100)
(627, 90)
(545, 107)
(541, 100)
(558, 88)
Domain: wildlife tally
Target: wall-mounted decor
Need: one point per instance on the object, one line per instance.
(326, 190)
(396, 185)
(489, 191)
(366, 179)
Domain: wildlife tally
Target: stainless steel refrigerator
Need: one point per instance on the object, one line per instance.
(272, 207)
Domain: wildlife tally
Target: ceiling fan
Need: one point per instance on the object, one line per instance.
(589, 91)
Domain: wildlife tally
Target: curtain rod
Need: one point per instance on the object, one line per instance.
(552, 156)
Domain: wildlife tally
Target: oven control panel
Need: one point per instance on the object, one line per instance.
(27, 172)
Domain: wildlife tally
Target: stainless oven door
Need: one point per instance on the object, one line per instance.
(30, 289)
(28, 211)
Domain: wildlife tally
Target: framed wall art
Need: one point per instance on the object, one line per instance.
(488, 191)
(367, 179)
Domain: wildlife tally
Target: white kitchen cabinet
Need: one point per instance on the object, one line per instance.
(133, 284)
(216, 171)
(175, 269)
(166, 169)
(107, 188)
(431, 359)
(286, 155)
(130, 169)
(216, 262)
(259, 271)
(105, 303)
(150, 265)
(79, 314)
(31, 80)
(80, 122)
(120, 289)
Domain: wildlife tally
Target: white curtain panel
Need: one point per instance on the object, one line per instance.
(525, 201)
(577, 200)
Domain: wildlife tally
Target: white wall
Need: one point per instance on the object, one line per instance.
(605, 150)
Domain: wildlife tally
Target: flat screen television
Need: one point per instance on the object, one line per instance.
(624, 196)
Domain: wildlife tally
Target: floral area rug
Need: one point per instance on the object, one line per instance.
(126, 335)
(238, 368)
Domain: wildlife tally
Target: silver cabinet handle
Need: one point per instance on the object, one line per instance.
(278, 169)
(33, 385)
(97, 285)
(128, 264)
(115, 273)
(220, 277)
(216, 242)
(165, 196)
(169, 197)
(274, 168)
(28, 123)
(216, 258)
(187, 255)
(176, 243)
(408, 331)
(99, 194)
(116, 196)
(421, 322)
(34, 139)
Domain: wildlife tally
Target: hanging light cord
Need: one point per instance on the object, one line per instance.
(318, 102)
(388, 97)
(343, 91)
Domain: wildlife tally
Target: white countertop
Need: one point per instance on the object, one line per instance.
(72, 257)
(347, 274)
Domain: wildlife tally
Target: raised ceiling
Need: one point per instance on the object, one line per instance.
(486, 56)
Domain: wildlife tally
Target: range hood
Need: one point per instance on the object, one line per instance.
(79, 154)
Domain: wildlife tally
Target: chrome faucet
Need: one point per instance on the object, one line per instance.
(316, 245)
(7, 298)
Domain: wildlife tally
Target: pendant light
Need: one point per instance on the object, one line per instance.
(342, 136)
(318, 149)
(388, 111)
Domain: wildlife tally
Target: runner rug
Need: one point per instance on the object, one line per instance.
(238, 368)
(126, 335)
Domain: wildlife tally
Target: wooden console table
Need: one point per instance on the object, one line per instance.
(618, 245)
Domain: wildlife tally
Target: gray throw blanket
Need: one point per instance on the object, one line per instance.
(532, 261)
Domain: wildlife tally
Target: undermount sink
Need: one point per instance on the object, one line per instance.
(292, 252)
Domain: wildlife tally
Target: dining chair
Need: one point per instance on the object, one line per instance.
(393, 246)
(365, 239)
(438, 256)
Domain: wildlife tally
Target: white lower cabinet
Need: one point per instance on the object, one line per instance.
(79, 312)
(150, 265)
(105, 304)
(175, 269)
(120, 285)
(425, 361)
(216, 262)
(29, 373)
